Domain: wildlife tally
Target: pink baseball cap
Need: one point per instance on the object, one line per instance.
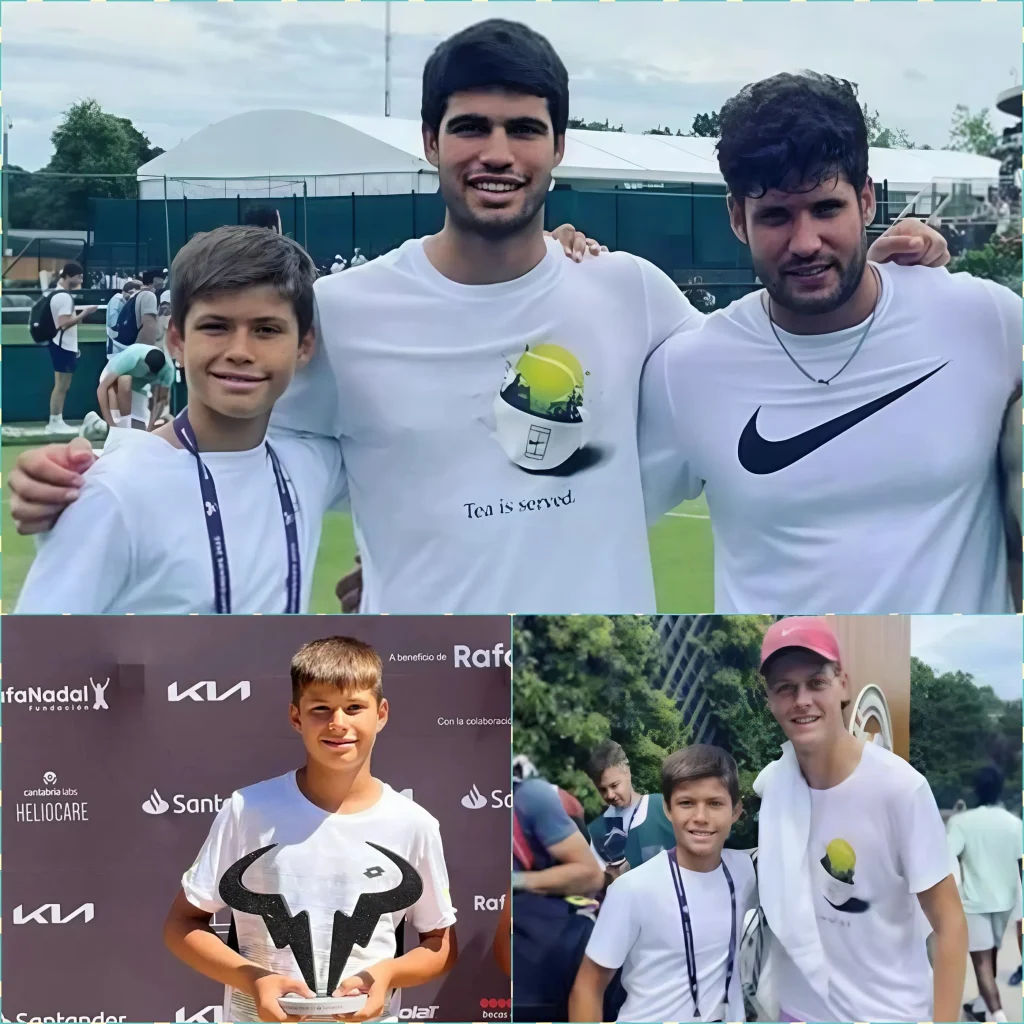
(813, 634)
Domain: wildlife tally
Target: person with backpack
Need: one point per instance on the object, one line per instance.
(54, 322)
(554, 874)
(137, 321)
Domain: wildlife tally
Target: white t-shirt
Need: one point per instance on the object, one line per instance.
(485, 478)
(898, 512)
(145, 304)
(136, 539)
(321, 864)
(988, 841)
(62, 303)
(880, 831)
(639, 930)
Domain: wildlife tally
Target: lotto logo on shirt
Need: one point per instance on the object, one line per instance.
(66, 698)
(539, 415)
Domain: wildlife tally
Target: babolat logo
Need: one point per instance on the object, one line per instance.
(207, 691)
(418, 1012)
(465, 657)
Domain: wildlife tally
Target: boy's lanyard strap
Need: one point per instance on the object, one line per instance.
(215, 525)
(684, 917)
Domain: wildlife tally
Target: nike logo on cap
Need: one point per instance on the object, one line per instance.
(761, 456)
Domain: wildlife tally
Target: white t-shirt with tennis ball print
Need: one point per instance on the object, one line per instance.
(489, 432)
(876, 841)
(876, 493)
(320, 863)
(639, 929)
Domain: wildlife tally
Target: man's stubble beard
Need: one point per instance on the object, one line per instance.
(498, 230)
(849, 280)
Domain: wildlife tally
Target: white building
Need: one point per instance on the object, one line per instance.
(278, 152)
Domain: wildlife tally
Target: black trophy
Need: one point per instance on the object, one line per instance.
(288, 929)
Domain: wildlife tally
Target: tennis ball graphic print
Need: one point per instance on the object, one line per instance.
(839, 865)
(539, 415)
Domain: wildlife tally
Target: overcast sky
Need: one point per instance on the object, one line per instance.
(175, 68)
(987, 646)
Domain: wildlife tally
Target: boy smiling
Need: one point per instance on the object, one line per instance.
(689, 901)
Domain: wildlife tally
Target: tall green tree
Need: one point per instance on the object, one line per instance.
(743, 723)
(706, 126)
(583, 679)
(881, 137)
(972, 133)
(87, 141)
(956, 728)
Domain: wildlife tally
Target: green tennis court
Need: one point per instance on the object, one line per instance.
(680, 547)
(17, 334)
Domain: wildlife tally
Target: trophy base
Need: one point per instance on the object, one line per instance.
(322, 1007)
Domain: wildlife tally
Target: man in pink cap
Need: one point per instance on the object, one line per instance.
(852, 850)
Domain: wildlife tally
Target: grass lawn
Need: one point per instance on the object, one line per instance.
(680, 546)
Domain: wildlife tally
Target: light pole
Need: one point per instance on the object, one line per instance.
(387, 58)
(5, 212)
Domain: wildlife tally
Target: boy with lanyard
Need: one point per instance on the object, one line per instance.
(852, 855)
(124, 388)
(317, 828)
(204, 515)
(685, 906)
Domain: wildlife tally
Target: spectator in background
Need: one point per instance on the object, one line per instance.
(114, 307)
(358, 259)
(64, 347)
(137, 321)
(634, 827)
(264, 217)
(339, 264)
(552, 866)
(987, 842)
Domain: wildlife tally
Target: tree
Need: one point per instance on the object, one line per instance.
(658, 131)
(593, 126)
(706, 126)
(583, 679)
(881, 137)
(87, 141)
(972, 133)
(957, 728)
(743, 723)
(998, 260)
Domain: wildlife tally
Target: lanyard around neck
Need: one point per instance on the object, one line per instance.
(215, 524)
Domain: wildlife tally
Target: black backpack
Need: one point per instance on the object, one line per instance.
(41, 325)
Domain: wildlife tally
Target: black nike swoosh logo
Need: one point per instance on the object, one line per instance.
(760, 456)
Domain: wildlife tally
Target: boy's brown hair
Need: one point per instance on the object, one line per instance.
(231, 258)
(348, 664)
(700, 761)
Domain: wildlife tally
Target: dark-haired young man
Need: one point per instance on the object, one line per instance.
(844, 421)
(482, 386)
(63, 348)
(853, 865)
(987, 841)
(137, 321)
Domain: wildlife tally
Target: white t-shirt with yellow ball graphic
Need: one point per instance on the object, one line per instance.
(489, 432)
(877, 840)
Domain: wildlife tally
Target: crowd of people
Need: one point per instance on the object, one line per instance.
(857, 904)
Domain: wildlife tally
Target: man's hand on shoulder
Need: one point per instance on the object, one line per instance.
(45, 481)
(910, 243)
(575, 243)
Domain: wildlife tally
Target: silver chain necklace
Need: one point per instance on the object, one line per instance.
(860, 342)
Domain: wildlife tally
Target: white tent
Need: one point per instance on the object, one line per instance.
(278, 152)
